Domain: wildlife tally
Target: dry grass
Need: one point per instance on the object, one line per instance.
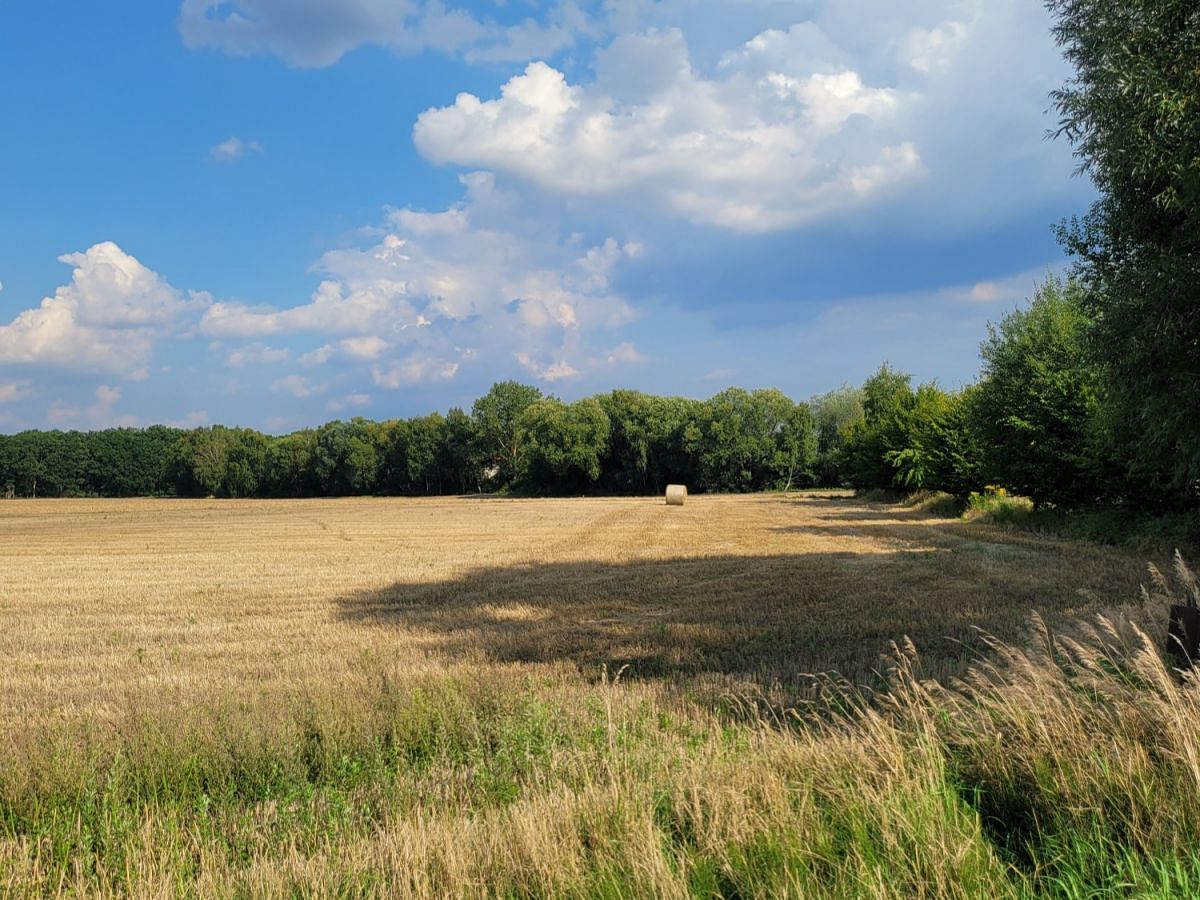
(196, 598)
(364, 697)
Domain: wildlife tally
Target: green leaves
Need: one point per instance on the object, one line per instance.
(563, 444)
(1133, 113)
(914, 440)
(1036, 405)
(753, 440)
(496, 419)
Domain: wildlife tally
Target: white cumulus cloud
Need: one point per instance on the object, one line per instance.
(413, 370)
(934, 109)
(434, 286)
(552, 371)
(296, 385)
(742, 151)
(368, 347)
(105, 320)
(348, 402)
(98, 415)
(625, 353)
(12, 390)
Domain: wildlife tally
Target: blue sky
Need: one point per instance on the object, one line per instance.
(277, 212)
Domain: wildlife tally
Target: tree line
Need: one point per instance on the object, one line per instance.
(1038, 421)
(515, 437)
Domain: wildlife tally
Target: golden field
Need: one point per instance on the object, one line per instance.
(189, 598)
(584, 697)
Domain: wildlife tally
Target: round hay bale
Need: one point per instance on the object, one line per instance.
(676, 494)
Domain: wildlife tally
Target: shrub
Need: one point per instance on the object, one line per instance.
(996, 505)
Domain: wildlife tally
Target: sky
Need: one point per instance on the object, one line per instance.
(273, 213)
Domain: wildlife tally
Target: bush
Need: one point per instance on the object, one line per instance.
(998, 506)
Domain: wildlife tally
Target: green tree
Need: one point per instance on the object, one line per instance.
(1036, 403)
(934, 447)
(458, 458)
(836, 414)
(346, 458)
(289, 465)
(793, 462)
(1132, 112)
(496, 416)
(198, 459)
(564, 444)
(911, 440)
(870, 443)
(646, 448)
(219, 461)
(245, 463)
(751, 440)
(413, 453)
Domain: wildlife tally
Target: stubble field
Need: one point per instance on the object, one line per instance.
(506, 697)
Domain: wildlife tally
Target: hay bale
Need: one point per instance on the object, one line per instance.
(676, 494)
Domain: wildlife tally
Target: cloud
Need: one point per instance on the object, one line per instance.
(747, 153)
(296, 385)
(337, 306)
(319, 356)
(97, 415)
(755, 116)
(316, 33)
(933, 49)
(13, 390)
(366, 347)
(347, 402)
(106, 320)
(933, 109)
(478, 281)
(625, 354)
(234, 148)
(550, 372)
(193, 419)
(369, 347)
(1011, 290)
(413, 370)
(255, 354)
(985, 292)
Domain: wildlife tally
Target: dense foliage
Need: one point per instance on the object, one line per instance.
(1133, 113)
(1037, 403)
(514, 438)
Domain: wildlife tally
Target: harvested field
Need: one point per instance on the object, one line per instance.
(189, 598)
(489, 697)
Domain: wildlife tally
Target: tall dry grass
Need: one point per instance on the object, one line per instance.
(1071, 768)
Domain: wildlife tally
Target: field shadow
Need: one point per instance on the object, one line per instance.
(842, 516)
(769, 619)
